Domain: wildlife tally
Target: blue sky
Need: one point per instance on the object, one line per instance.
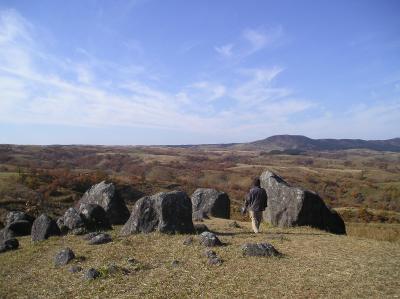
(179, 72)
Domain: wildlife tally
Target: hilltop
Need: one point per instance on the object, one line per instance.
(315, 264)
(300, 143)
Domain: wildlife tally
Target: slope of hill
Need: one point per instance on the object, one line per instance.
(315, 265)
(303, 143)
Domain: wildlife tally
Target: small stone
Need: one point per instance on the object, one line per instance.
(234, 224)
(100, 239)
(175, 263)
(75, 269)
(91, 235)
(79, 231)
(259, 249)
(213, 259)
(132, 260)
(91, 274)
(209, 239)
(64, 257)
(188, 241)
(209, 253)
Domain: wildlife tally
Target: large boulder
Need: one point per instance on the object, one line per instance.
(94, 217)
(104, 195)
(210, 202)
(20, 227)
(43, 227)
(166, 212)
(292, 206)
(17, 216)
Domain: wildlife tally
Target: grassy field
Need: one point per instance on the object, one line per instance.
(315, 265)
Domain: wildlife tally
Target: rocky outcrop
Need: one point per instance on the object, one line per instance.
(43, 227)
(104, 195)
(210, 202)
(291, 206)
(166, 212)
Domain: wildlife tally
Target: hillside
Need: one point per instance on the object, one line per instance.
(303, 143)
(315, 265)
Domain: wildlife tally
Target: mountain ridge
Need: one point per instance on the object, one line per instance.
(303, 143)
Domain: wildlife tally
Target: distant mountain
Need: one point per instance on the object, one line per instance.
(303, 143)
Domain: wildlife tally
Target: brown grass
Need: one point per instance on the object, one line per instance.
(315, 265)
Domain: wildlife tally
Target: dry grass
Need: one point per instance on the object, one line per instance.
(377, 231)
(315, 265)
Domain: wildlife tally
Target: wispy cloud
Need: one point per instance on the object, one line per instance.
(259, 39)
(225, 50)
(40, 87)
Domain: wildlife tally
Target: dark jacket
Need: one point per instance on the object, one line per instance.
(256, 200)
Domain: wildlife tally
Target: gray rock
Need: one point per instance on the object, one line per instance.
(64, 257)
(75, 269)
(200, 228)
(213, 258)
(17, 216)
(43, 227)
(61, 226)
(166, 212)
(7, 245)
(175, 263)
(6, 234)
(291, 206)
(20, 227)
(79, 231)
(91, 274)
(91, 235)
(104, 194)
(259, 249)
(94, 216)
(188, 241)
(210, 202)
(72, 219)
(100, 239)
(209, 239)
(234, 224)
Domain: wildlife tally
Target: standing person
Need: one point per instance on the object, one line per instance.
(255, 203)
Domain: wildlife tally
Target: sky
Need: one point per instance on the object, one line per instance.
(193, 72)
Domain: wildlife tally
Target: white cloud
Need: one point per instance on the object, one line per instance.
(259, 39)
(40, 87)
(225, 50)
